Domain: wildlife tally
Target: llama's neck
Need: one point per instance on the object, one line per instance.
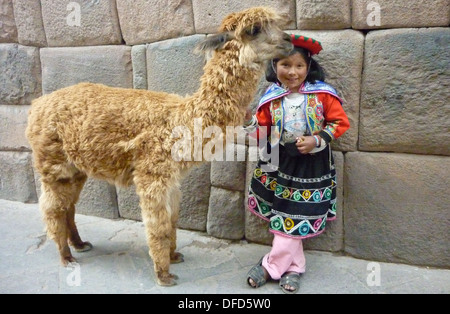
(227, 88)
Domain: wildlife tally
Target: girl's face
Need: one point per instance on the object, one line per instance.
(292, 71)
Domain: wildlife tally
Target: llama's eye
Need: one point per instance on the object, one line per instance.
(255, 30)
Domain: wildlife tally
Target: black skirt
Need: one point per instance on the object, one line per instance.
(297, 198)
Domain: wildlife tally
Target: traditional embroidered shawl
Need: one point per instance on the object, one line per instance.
(274, 95)
(275, 91)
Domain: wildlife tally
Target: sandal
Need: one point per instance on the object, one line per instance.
(257, 274)
(290, 279)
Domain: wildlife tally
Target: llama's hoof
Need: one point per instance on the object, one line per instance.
(66, 260)
(176, 258)
(173, 276)
(84, 247)
(167, 280)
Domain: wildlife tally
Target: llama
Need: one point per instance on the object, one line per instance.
(124, 136)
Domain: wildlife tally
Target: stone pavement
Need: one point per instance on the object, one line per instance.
(119, 263)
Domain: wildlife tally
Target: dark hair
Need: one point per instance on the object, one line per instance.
(315, 73)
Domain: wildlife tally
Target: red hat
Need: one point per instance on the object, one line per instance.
(308, 43)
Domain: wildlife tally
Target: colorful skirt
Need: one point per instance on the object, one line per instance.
(297, 198)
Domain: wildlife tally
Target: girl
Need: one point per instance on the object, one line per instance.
(302, 115)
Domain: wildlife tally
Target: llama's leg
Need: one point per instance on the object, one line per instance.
(158, 228)
(54, 207)
(174, 197)
(73, 236)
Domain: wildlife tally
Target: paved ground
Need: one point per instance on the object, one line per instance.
(119, 263)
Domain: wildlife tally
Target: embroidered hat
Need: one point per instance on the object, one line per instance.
(308, 43)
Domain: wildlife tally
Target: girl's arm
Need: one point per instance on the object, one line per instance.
(258, 125)
(336, 121)
(250, 122)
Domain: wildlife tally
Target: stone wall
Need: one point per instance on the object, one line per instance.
(388, 58)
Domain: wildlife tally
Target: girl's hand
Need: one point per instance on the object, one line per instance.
(305, 144)
(248, 114)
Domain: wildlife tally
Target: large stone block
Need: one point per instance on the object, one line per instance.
(209, 14)
(8, 30)
(13, 121)
(368, 14)
(173, 67)
(37, 179)
(226, 217)
(16, 177)
(332, 239)
(323, 14)
(98, 198)
(109, 65)
(128, 202)
(81, 23)
(256, 229)
(30, 27)
(20, 80)
(195, 189)
(404, 97)
(144, 21)
(139, 60)
(343, 50)
(230, 172)
(396, 208)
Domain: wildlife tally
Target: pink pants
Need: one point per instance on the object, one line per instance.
(286, 255)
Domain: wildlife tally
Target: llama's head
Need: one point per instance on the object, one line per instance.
(257, 33)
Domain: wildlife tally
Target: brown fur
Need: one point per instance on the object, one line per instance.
(124, 135)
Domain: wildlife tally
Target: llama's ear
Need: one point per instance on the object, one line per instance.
(213, 42)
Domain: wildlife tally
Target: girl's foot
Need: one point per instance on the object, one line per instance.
(257, 276)
(290, 282)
